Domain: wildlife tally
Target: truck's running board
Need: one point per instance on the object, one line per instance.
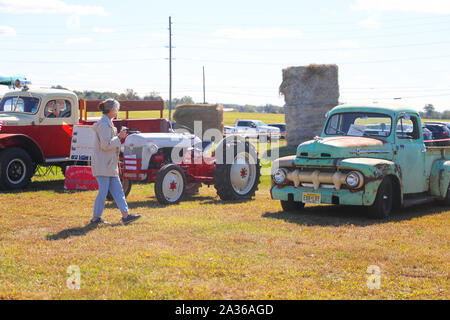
(419, 200)
(52, 160)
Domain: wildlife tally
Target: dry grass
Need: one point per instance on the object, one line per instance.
(207, 249)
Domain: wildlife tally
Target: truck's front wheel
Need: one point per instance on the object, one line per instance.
(382, 206)
(16, 169)
(446, 201)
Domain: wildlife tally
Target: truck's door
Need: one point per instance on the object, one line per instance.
(411, 152)
(55, 127)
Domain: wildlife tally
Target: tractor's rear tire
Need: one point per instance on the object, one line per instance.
(291, 205)
(16, 169)
(126, 186)
(384, 200)
(238, 180)
(170, 184)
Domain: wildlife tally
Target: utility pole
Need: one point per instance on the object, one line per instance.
(204, 94)
(170, 68)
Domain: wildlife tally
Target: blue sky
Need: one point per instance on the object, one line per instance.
(384, 49)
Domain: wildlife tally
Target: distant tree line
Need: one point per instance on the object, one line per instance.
(429, 112)
(130, 94)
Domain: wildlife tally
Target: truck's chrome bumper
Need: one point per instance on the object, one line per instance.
(328, 196)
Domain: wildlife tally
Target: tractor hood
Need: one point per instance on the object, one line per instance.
(344, 147)
(161, 140)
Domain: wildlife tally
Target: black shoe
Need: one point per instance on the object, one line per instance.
(99, 221)
(130, 218)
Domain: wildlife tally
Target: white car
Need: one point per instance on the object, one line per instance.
(256, 129)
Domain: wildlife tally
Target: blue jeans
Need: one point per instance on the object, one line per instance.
(113, 185)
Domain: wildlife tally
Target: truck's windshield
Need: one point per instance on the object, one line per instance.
(19, 104)
(359, 124)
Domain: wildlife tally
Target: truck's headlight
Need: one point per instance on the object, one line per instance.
(354, 179)
(279, 176)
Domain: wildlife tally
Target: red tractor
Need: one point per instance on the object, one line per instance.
(179, 163)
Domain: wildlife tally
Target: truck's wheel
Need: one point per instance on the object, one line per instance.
(16, 169)
(446, 200)
(170, 184)
(383, 204)
(126, 186)
(239, 179)
(291, 205)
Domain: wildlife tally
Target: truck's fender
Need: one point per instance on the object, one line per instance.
(440, 178)
(374, 171)
(8, 140)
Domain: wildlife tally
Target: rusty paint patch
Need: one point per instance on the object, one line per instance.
(352, 142)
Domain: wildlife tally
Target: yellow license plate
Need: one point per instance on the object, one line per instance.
(313, 198)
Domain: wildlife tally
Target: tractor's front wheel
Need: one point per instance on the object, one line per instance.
(170, 184)
(16, 169)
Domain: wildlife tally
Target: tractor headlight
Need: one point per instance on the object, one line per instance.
(279, 176)
(354, 179)
(153, 148)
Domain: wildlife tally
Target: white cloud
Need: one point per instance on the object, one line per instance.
(49, 7)
(258, 33)
(429, 6)
(7, 31)
(83, 40)
(348, 44)
(370, 23)
(103, 30)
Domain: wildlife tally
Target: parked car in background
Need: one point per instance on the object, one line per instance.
(440, 131)
(427, 136)
(256, 129)
(228, 130)
(282, 127)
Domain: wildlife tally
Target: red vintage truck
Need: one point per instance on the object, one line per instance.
(36, 129)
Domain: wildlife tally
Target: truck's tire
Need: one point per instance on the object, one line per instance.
(126, 185)
(16, 169)
(384, 201)
(240, 179)
(170, 184)
(291, 205)
(446, 200)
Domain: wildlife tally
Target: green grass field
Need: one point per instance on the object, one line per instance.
(229, 118)
(204, 248)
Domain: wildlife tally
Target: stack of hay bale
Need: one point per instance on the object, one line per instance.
(211, 116)
(309, 93)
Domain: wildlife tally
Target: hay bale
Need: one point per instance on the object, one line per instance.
(316, 84)
(309, 93)
(211, 116)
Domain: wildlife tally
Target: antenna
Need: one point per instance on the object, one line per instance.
(204, 94)
(170, 69)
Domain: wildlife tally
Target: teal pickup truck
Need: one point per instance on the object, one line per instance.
(360, 159)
